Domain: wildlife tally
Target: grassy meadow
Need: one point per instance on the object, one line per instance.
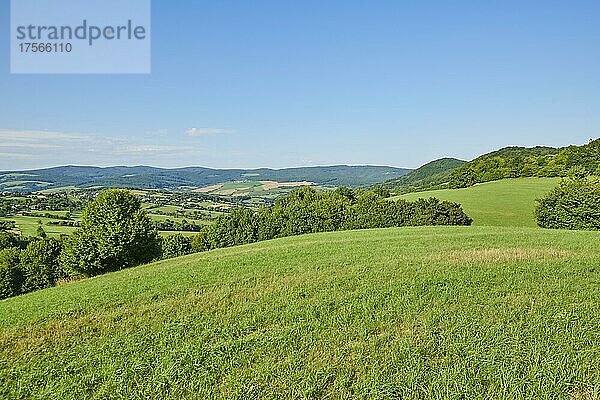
(27, 225)
(508, 202)
(416, 313)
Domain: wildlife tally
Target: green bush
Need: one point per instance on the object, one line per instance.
(175, 246)
(574, 204)
(11, 274)
(115, 234)
(305, 210)
(435, 212)
(80, 255)
(7, 225)
(8, 240)
(240, 226)
(200, 242)
(40, 264)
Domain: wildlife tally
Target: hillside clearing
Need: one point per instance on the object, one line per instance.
(508, 202)
(430, 312)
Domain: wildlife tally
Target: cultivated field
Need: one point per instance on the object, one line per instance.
(431, 312)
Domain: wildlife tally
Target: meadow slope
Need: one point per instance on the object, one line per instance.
(508, 202)
(428, 312)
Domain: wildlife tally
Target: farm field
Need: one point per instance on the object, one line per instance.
(508, 202)
(428, 312)
(28, 210)
(27, 225)
(263, 189)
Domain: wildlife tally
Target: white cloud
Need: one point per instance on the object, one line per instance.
(31, 135)
(17, 156)
(24, 149)
(196, 132)
(29, 145)
(150, 149)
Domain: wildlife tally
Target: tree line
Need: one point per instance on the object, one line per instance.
(536, 162)
(116, 233)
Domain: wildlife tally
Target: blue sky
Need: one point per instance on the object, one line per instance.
(290, 83)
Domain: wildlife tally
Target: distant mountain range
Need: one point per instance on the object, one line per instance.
(143, 177)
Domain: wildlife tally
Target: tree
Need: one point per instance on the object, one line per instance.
(7, 225)
(40, 231)
(11, 274)
(115, 234)
(574, 204)
(7, 240)
(40, 264)
(240, 226)
(176, 246)
(381, 191)
(200, 242)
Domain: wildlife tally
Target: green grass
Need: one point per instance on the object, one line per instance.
(412, 313)
(509, 202)
(184, 233)
(28, 225)
(160, 218)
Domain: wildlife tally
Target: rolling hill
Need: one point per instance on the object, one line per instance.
(412, 313)
(519, 162)
(508, 162)
(508, 202)
(432, 175)
(159, 178)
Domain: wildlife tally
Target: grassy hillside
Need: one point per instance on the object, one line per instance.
(436, 312)
(429, 176)
(509, 202)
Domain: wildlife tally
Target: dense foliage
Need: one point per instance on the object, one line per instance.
(574, 204)
(433, 175)
(306, 210)
(35, 267)
(11, 274)
(171, 225)
(175, 246)
(40, 264)
(115, 234)
(516, 162)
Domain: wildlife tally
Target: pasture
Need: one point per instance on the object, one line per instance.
(414, 313)
(508, 202)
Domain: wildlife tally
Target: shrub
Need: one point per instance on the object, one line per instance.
(115, 234)
(8, 240)
(175, 246)
(306, 211)
(435, 212)
(40, 264)
(240, 226)
(200, 242)
(11, 274)
(7, 225)
(573, 204)
(80, 255)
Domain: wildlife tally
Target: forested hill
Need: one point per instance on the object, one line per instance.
(158, 178)
(516, 162)
(432, 175)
